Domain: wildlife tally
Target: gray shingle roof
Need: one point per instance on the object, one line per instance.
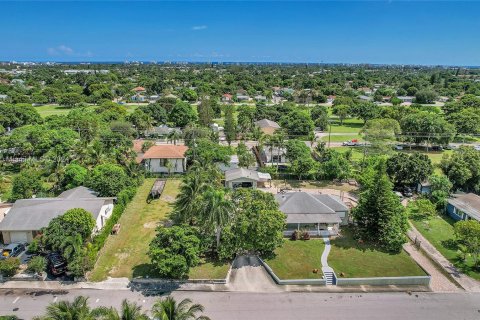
(234, 174)
(34, 214)
(468, 203)
(265, 123)
(304, 207)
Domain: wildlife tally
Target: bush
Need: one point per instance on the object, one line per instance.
(305, 235)
(33, 247)
(102, 236)
(126, 195)
(37, 265)
(295, 235)
(9, 266)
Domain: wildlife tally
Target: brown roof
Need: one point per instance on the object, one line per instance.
(165, 151)
(137, 145)
(139, 89)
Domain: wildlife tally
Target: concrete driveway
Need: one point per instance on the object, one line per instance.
(248, 275)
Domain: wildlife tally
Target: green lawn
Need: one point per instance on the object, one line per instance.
(50, 110)
(297, 259)
(435, 156)
(209, 270)
(439, 232)
(125, 254)
(357, 152)
(351, 259)
(351, 125)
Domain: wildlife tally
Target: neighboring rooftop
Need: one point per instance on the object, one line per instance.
(265, 123)
(468, 203)
(237, 173)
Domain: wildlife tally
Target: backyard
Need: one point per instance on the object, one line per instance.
(297, 259)
(351, 259)
(127, 251)
(439, 232)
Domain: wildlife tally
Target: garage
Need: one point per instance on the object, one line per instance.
(18, 236)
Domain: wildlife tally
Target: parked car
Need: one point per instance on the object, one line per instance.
(399, 147)
(399, 194)
(437, 148)
(407, 192)
(477, 148)
(56, 264)
(12, 250)
(351, 143)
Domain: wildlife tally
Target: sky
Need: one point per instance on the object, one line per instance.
(381, 32)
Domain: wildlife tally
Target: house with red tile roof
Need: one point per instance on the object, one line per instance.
(166, 158)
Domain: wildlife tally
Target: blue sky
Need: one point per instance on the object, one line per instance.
(338, 31)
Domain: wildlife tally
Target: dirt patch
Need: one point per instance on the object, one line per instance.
(168, 198)
(150, 225)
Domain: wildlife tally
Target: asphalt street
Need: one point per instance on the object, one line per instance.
(271, 306)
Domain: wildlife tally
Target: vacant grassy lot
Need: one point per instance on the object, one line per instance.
(297, 259)
(350, 259)
(50, 110)
(125, 254)
(439, 232)
(306, 184)
(351, 125)
(209, 270)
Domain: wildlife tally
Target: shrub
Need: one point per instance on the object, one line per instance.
(295, 235)
(33, 247)
(305, 235)
(9, 266)
(126, 195)
(37, 265)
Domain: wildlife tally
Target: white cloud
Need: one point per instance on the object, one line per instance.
(197, 28)
(61, 50)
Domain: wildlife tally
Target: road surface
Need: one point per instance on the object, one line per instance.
(271, 306)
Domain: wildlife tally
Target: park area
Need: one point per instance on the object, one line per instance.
(125, 254)
(439, 231)
(56, 110)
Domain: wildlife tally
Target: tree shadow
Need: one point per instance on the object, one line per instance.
(450, 244)
(147, 281)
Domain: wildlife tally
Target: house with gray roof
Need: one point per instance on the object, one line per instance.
(245, 178)
(318, 214)
(464, 207)
(25, 219)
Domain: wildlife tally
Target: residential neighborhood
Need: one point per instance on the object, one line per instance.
(239, 160)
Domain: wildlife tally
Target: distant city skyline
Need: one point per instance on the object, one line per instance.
(376, 32)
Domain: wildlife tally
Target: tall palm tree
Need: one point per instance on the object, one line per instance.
(169, 309)
(279, 139)
(128, 311)
(66, 310)
(174, 136)
(270, 143)
(217, 211)
(187, 202)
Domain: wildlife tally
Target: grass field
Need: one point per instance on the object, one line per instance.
(440, 233)
(351, 125)
(50, 110)
(209, 270)
(297, 259)
(125, 254)
(351, 259)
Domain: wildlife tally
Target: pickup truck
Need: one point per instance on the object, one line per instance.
(351, 143)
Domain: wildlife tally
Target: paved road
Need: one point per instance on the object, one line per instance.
(273, 306)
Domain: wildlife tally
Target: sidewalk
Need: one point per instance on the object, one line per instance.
(464, 281)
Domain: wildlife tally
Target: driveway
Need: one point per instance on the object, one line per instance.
(248, 275)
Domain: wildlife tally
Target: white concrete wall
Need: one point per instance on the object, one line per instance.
(153, 165)
(102, 218)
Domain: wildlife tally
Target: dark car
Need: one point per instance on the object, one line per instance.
(407, 192)
(12, 250)
(57, 265)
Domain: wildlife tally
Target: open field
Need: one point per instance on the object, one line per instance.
(50, 109)
(351, 125)
(297, 259)
(351, 259)
(125, 254)
(209, 270)
(439, 232)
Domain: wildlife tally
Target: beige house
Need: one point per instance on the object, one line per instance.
(267, 126)
(245, 178)
(27, 217)
(166, 158)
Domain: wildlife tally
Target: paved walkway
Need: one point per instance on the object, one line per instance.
(463, 280)
(439, 281)
(326, 269)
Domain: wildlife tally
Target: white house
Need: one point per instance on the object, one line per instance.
(166, 158)
(27, 217)
(245, 178)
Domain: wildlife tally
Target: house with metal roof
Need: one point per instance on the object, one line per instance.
(318, 214)
(25, 219)
(245, 178)
(464, 207)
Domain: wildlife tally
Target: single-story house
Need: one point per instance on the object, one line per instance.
(464, 207)
(243, 97)
(316, 213)
(232, 164)
(27, 217)
(260, 98)
(366, 90)
(3, 97)
(365, 98)
(161, 131)
(156, 159)
(245, 178)
(227, 97)
(424, 187)
(267, 126)
(408, 99)
(139, 89)
(331, 99)
(274, 155)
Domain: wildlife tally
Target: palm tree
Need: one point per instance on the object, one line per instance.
(279, 140)
(128, 311)
(217, 211)
(186, 203)
(174, 136)
(169, 309)
(62, 310)
(270, 143)
(71, 245)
